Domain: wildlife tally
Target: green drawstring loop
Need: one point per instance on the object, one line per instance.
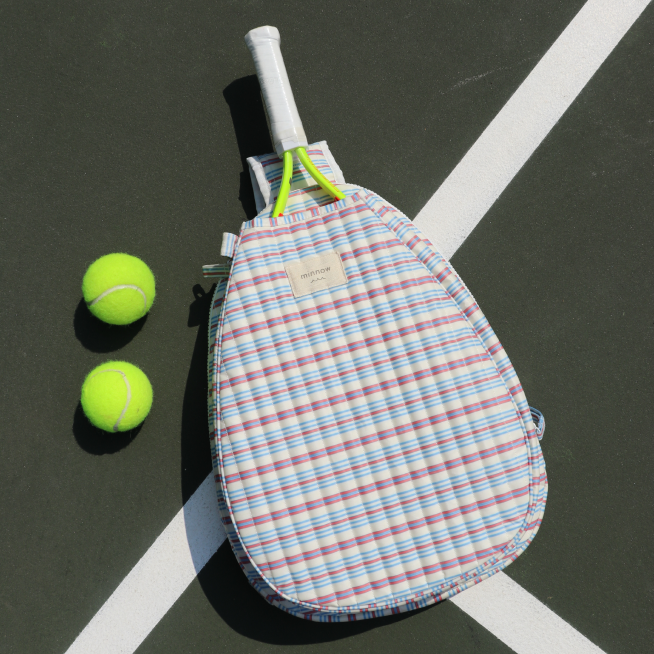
(285, 188)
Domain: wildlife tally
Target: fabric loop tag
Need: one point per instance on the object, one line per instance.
(228, 247)
(539, 422)
(216, 270)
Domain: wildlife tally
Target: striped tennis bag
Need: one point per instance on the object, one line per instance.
(372, 446)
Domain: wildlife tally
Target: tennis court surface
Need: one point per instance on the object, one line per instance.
(125, 128)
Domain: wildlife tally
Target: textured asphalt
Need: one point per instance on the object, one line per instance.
(124, 127)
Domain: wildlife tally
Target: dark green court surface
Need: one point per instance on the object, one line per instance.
(124, 126)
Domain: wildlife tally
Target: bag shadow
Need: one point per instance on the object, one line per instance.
(221, 579)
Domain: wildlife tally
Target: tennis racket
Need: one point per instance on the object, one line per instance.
(283, 117)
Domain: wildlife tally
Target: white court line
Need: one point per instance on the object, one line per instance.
(525, 120)
(519, 620)
(499, 604)
(158, 579)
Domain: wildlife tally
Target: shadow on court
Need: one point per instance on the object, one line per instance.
(94, 440)
(196, 450)
(100, 337)
(245, 611)
(243, 97)
(251, 128)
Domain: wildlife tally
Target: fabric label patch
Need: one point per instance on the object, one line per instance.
(315, 273)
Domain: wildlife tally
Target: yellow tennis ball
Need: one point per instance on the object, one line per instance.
(116, 396)
(118, 288)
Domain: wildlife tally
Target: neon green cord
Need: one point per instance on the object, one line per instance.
(285, 188)
(317, 175)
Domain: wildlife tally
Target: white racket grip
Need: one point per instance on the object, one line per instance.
(285, 123)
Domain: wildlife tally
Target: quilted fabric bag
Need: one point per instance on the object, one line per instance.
(372, 446)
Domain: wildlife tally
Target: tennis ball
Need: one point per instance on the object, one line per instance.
(116, 396)
(118, 288)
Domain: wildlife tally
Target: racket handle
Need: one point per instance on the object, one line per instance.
(285, 123)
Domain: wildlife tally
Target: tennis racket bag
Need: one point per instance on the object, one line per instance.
(372, 446)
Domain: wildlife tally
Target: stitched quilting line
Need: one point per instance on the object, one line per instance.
(427, 497)
(291, 487)
(298, 316)
(260, 398)
(470, 307)
(313, 336)
(377, 437)
(482, 326)
(247, 447)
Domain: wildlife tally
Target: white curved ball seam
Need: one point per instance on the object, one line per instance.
(129, 393)
(120, 287)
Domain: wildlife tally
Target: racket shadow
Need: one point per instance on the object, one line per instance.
(243, 96)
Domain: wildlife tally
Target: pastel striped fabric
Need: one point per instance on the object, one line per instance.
(228, 246)
(216, 270)
(373, 448)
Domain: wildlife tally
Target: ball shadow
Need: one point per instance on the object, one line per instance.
(100, 337)
(98, 442)
(222, 580)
